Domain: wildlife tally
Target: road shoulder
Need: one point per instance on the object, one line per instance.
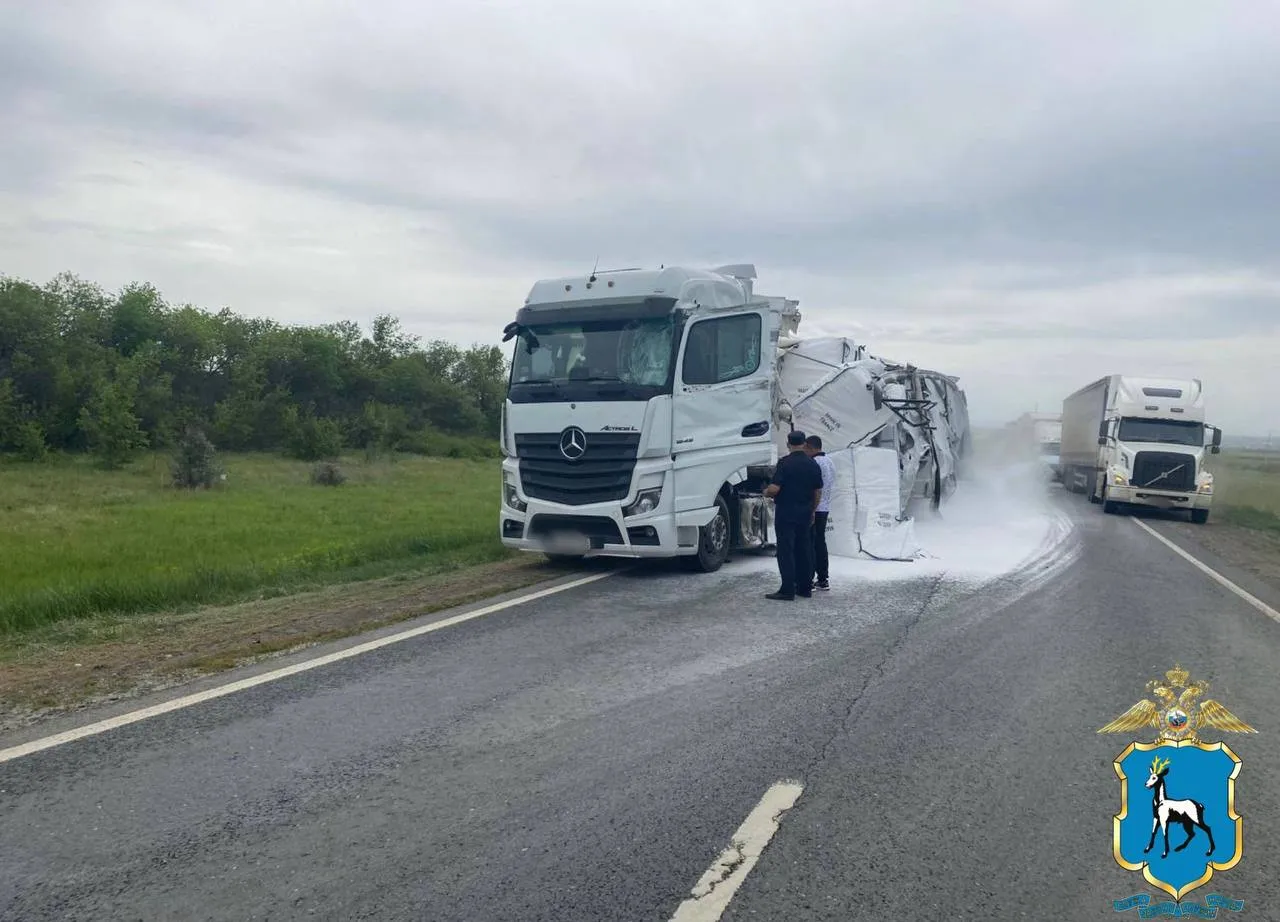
(1248, 557)
(119, 660)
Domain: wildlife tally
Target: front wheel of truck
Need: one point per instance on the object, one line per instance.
(713, 542)
(1199, 516)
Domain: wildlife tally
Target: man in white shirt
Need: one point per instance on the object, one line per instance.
(813, 448)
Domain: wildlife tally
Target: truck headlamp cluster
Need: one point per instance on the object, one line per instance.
(646, 502)
(511, 496)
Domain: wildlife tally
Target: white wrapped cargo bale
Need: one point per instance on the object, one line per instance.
(806, 362)
(882, 532)
(842, 539)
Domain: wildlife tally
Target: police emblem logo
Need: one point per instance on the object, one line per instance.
(1177, 822)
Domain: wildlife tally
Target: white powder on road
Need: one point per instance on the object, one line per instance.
(997, 521)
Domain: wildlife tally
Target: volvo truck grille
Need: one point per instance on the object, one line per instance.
(1164, 470)
(600, 473)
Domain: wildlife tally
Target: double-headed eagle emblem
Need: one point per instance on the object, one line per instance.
(1177, 717)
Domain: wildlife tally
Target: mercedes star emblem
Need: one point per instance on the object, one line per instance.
(573, 443)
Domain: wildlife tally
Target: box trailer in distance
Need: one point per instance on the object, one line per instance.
(1139, 441)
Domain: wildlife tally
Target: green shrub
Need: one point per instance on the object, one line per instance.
(110, 427)
(195, 463)
(30, 442)
(315, 439)
(327, 474)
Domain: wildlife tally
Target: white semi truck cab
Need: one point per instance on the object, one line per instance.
(639, 415)
(1140, 441)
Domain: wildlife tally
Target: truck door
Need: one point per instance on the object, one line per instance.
(723, 396)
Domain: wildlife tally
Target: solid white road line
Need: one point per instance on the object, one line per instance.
(111, 723)
(1210, 572)
(712, 893)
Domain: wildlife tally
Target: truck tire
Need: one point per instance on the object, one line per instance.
(1199, 516)
(1109, 506)
(713, 542)
(1092, 487)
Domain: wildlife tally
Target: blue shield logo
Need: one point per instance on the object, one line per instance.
(1177, 822)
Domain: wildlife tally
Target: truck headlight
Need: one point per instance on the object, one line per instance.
(511, 496)
(646, 501)
(1206, 483)
(1119, 479)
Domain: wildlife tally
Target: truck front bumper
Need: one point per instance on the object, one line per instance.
(601, 531)
(1157, 499)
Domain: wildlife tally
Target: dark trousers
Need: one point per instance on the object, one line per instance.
(795, 555)
(821, 562)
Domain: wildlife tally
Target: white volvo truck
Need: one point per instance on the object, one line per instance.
(1139, 441)
(646, 410)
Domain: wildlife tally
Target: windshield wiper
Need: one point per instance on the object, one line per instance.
(596, 379)
(542, 382)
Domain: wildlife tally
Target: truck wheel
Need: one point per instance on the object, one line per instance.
(1093, 488)
(713, 542)
(1199, 516)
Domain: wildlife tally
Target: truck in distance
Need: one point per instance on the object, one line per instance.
(1139, 441)
(1044, 432)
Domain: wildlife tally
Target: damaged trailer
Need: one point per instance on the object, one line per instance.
(897, 436)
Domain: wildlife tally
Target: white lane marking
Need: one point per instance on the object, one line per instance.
(111, 723)
(714, 890)
(1212, 573)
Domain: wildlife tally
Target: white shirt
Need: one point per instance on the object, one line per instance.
(828, 480)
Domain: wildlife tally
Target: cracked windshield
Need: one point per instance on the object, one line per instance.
(704, 462)
(636, 352)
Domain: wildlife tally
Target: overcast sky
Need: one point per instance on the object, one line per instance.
(1026, 194)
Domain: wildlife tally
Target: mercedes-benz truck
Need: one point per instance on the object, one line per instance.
(646, 410)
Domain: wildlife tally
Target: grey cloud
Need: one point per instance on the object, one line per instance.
(972, 168)
(663, 186)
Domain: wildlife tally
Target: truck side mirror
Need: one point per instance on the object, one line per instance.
(1102, 430)
(1215, 449)
(1217, 437)
(1102, 440)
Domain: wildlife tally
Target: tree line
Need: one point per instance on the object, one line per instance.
(114, 374)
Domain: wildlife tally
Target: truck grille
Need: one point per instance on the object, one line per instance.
(602, 474)
(1179, 470)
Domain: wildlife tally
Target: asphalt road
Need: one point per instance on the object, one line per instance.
(586, 756)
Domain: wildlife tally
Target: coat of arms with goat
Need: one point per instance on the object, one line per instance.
(1177, 822)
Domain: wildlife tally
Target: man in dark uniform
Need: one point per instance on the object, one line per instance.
(796, 490)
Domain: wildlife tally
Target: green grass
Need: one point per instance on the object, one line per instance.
(1246, 486)
(77, 541)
